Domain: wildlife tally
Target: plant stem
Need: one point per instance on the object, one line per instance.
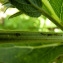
(54, 20)
(49, 7)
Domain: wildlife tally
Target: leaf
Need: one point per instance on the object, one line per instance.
(44, 55)
(57, 6)
(13, 54)
(29, 54)
(15, 15)
(26, 7)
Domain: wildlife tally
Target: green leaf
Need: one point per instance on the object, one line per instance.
(16, 14)
(54, 7)
(44, 55)
(29, 54)
(13, 54)
(26, 7)
(57, 5)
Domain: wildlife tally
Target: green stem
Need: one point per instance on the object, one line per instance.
(49, 7)
(54, 20)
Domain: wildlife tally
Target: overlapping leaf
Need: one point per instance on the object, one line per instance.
(26, 7)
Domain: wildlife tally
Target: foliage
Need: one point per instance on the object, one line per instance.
(50, 10)
(38, 52)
